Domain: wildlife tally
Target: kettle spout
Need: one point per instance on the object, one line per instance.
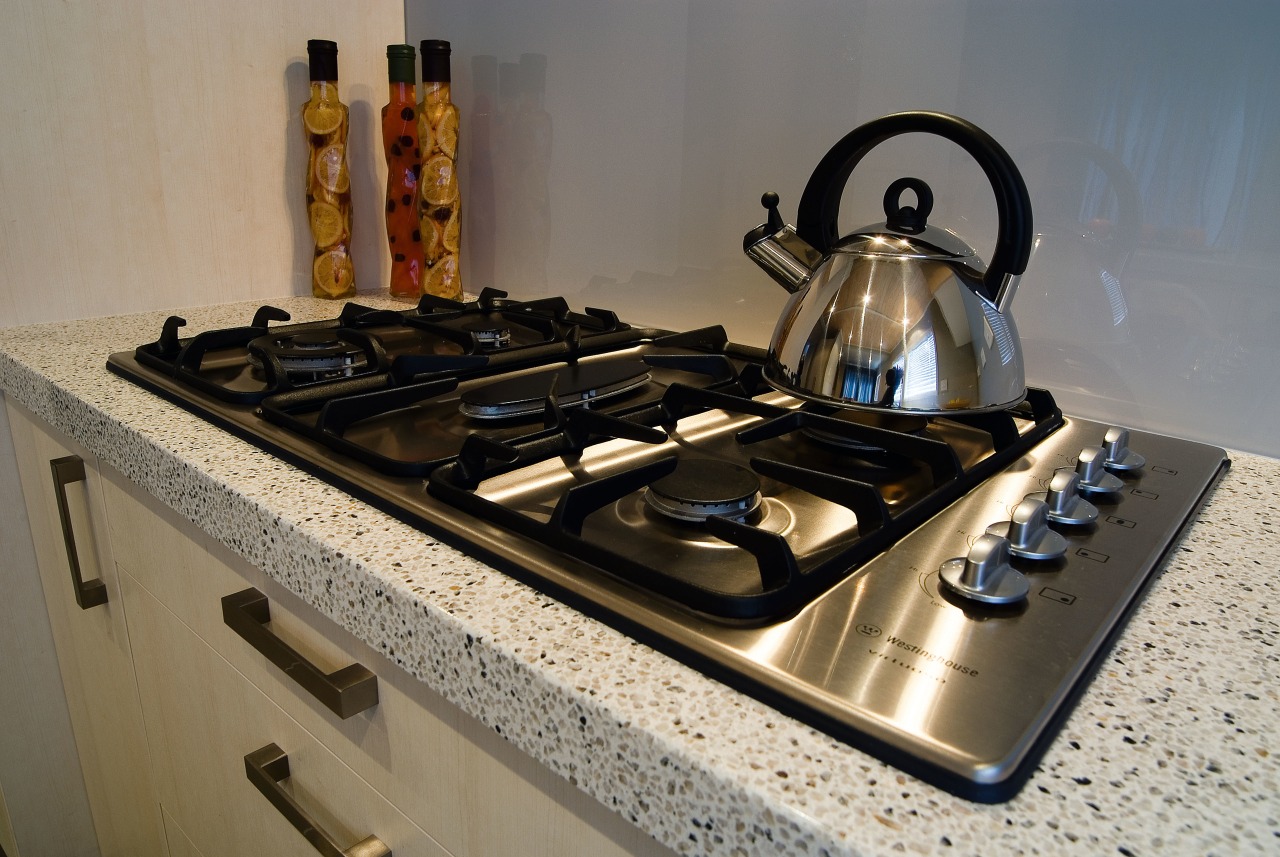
(775, 247)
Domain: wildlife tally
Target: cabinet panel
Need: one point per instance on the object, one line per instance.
(464, 784)
(92, 644)
(179, 843)
(39, 768)
(203, 718)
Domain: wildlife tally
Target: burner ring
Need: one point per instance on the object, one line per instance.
(702, 487)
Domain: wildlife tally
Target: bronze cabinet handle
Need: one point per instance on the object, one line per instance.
(265, 768)
(345, 692)
(89, 593)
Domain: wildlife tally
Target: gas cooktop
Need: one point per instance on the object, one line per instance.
(934, 591)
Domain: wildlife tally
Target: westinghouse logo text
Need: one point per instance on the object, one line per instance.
(925, 654)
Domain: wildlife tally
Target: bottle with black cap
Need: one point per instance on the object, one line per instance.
(325, 119)
(439, 206)
(404, 162)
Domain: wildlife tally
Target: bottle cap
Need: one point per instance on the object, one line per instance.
(323, 56)
(435, 60)
(401, 63)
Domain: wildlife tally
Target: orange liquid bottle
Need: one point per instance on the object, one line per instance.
(404, 162)
(439, 206)
(325, 120)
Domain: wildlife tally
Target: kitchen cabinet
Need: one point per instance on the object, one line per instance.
(69, 530)
(412, 769)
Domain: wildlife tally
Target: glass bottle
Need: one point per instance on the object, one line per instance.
(328, 179)
(404, 161)
(439, 206)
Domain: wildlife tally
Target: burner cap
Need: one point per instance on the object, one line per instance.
(490, 334)
(701, 487)
(900, 423)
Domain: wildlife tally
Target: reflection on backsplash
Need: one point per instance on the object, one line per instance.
(1148, 133)
(506, 175)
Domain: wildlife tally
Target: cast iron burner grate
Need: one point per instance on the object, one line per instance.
(365, 349)
(586, 480)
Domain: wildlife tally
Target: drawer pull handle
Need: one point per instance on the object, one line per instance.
(266, 768)
(345, 692)
(89, 593)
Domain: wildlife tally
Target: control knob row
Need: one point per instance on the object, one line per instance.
(986, 575)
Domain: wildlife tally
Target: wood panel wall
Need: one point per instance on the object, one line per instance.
(151, 152)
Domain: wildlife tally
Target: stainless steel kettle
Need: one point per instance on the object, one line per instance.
(899, 315)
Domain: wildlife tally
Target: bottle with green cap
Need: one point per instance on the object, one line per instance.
(328, 180)
(439, 206)
(404, 163)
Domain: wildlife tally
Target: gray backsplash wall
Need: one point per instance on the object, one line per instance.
(621, 157)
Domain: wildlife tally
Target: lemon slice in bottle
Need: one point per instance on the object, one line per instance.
(331, 169)
(442, 280)
(327, 225)
(332, 272)
(439, 181)
(452, 232)
(322, 118)
(431, 237)
(445, 135)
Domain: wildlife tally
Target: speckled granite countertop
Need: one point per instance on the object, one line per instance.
(1168, 752)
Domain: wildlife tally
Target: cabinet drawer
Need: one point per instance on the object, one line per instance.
(204, 718)
(464, 784)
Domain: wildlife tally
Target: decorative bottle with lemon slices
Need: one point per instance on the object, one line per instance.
(328, 178)
(404, 162)
(439, 206)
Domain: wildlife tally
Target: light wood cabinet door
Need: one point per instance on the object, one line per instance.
(204, 718)
(69, 530)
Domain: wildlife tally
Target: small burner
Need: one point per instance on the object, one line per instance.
(900, 423)
(310, 355)
(701, 487)
(490, 334)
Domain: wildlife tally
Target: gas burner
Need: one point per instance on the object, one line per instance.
(490, 334)
(579, 384)
(900, 423)
(311, 355)
(701, 487)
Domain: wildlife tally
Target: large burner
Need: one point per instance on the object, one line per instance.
(579, 384)
(701, 487)
(311, 355)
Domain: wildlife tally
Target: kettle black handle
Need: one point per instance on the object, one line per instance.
(816, 221)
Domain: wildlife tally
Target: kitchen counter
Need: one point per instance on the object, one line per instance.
(1168, 751)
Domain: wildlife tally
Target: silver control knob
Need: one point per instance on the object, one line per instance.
(1065, 505)
(1094, 479)
(1028, 532)
(1119, 456)
(985, 574)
